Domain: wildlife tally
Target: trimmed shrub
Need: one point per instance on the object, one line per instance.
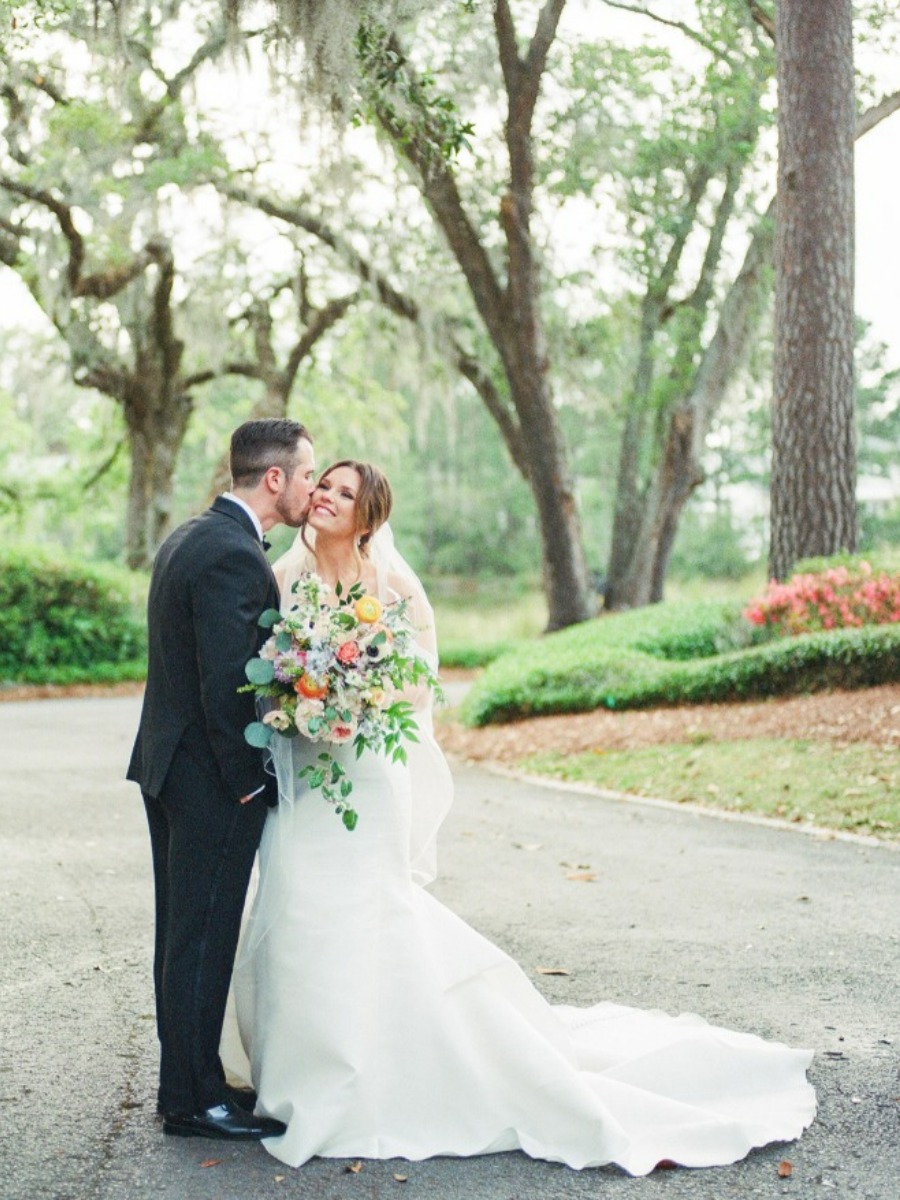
(62, 621)
(468, 657)
(667, 654)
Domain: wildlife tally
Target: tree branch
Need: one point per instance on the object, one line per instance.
(170, 346)
(106, 378)
(536, 58)
(873, 116)
(63, 214)
(408, 309)
(702, 293)
(687, 30)
(523, 81)
(100, 285)
(107, 464)
(300, 218)
(438, 186)
(742, 306)
(174, 86)
(507, 45)
(245, 369)
(765, 20)
(658, 290)
(10, 247)
(322, 321)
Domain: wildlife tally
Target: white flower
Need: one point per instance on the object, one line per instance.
(306, 709)
(343, 731)
(278, 719)
(378, 646)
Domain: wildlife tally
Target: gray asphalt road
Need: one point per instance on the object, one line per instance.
(778, 933)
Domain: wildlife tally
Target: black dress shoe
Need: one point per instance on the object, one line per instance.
(226, 1121)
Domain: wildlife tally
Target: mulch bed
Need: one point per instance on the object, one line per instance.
(869, 715)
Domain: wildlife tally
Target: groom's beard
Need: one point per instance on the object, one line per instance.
(292, 511)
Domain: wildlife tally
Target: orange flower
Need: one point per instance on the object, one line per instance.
(311, 688)
(367, 609)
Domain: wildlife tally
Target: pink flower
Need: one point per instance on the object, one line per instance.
(348, 652)
(836, 598)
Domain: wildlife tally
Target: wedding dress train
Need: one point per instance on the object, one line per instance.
(377, 1024)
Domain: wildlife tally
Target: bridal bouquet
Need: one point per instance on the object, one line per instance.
(334, 672)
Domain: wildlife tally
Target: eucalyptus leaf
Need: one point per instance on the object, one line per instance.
(258, 735)
(260, 670)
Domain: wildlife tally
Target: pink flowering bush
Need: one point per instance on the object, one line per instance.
(839, 597)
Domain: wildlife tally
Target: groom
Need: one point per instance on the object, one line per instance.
(204, 788)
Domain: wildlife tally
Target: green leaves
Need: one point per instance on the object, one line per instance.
(260, 671)
(327, 775)
(269, 617)
(258, 735)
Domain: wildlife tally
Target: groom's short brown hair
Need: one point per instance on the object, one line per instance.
(258, 445)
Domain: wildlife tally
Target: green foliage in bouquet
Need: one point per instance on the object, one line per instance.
(66, 622)
(335, 673)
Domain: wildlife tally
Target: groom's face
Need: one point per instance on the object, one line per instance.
(293, 501)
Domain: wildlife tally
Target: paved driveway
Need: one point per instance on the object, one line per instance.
(779, 933)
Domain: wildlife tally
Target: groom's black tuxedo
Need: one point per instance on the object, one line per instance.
(210, 583)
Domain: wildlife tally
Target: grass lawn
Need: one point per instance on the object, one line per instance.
(477, 620)
(854, 788)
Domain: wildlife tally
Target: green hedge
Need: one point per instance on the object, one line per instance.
(674, 654)
(65, 622)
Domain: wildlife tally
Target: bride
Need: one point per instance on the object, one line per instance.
(377, 1024)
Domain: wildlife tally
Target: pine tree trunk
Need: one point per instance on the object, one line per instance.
(813, 444)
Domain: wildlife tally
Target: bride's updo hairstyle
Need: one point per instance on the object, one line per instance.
(373, 500)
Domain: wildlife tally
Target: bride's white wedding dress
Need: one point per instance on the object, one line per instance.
(377, 1024)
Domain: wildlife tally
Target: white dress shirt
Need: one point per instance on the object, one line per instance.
(247, 509)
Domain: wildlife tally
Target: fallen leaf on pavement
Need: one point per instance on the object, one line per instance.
(353, 1169)
(785, 1168)
(401, 1178)
(581, 876)
(551, 971)
(210, 1162)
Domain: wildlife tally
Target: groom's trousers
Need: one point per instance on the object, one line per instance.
(203, 847)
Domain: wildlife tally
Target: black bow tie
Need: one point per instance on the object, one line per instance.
(266, 544)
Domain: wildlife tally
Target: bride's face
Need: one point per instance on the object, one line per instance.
(332, 509)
